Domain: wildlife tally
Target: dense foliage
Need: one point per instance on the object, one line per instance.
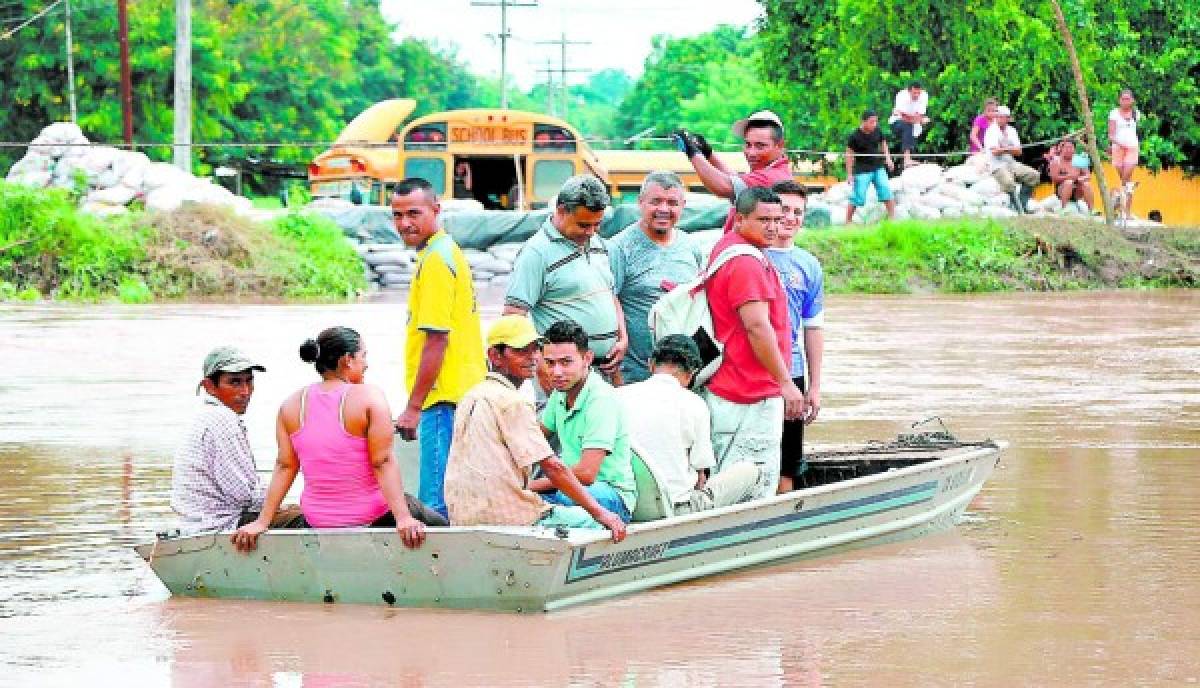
(263, 70)
(703, 82)
(826, 62)
(48, 248)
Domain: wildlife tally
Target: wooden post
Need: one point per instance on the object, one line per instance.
(126, 79)
(1085, 110)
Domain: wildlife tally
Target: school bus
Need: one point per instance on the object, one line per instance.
(504, 159)
(362, 162)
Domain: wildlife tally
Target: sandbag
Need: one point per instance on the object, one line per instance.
(925, 212)
(924, 176)
(988, 186)
(997, 211)
(115, 195)
(103, 209)
(165, 199)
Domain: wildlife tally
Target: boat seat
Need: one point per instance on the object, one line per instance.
(652, 503)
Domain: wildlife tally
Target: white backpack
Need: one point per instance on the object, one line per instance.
(684, 310)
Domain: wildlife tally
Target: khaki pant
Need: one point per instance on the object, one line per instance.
(747, 433)
(1013, 172)
(734, 485)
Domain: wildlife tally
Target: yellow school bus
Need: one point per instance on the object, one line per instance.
(504, 159)
(362, 163)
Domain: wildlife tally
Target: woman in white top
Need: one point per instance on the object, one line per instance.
(1122, 134)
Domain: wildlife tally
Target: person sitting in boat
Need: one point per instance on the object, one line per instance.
(497, 442)
(583, 413)
(214, 484)
(670, 427)
(338, 432)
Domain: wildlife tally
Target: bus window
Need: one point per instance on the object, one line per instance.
(432, 170)
(549, 175)
(427, 137)
(547, 137)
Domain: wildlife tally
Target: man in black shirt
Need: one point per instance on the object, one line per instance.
(866, 154)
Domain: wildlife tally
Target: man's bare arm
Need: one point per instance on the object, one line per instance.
(717, 182)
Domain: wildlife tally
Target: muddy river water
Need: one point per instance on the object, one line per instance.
(1079, 563)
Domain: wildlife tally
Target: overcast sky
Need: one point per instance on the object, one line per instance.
(619, 30)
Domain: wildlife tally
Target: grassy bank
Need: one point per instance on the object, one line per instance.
(1023, 254)
(48, 249)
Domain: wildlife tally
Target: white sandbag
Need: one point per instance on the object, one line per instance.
(396, 279)
(903, 211)
(57, 139)
(953, 211)
(967, 173)
(389, 269)
(203, 192)
(925, 212)
(378, 259)
(38, 180)
(99, 157)
(114, 195)
(496, 266)
(998, 200)
(987, 186)
(103, 209)
(505, 251)
(837, 215)
(938, 201)
(1049, 204)
(162, 174)
(131, 168)
(996, 211)
(166, 198)
(837, 194)
(923, 176)
(476, 258)
(968, 197)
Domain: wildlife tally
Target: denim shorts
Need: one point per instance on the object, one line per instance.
(858, 198)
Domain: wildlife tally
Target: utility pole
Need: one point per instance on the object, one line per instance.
(126, 79)
(70, 66)
(504, 36)
(562, 67)
(183, 85)
(549, 72)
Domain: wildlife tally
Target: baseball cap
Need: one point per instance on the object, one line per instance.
(739, 127)
(228, 359)
(512, 330)
(1003, 111)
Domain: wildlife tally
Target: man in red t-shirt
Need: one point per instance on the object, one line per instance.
(752, 392)
(762, 134)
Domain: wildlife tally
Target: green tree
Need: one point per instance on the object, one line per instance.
(829, 61)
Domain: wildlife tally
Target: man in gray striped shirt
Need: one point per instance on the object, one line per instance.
(563, 273)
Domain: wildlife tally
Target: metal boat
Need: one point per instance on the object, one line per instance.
(856, 496)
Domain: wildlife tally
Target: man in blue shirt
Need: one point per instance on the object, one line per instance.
(649, 258)
(804, 281)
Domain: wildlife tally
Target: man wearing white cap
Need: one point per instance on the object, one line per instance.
(215, 485)
(763, 146)
(1002, 144)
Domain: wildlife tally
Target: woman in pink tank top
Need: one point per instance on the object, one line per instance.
(338, 432)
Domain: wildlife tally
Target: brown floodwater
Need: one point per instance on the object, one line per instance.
(1079, 563)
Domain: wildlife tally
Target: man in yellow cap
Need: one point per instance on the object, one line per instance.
(497, 441)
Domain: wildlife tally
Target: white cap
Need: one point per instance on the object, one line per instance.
(1003, 111)
(739, 127)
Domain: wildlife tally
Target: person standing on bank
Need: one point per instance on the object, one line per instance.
(765, 151)
(214, 483)
(338, 432)
(804, 281)
(563, 273)
(649, 258)
(866, 154)
(443, 348)
(1122, 135)
(908, 118)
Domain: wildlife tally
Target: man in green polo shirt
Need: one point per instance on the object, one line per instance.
(588, 419)
(563, 273)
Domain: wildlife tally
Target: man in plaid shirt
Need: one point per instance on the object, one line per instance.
(215, 483)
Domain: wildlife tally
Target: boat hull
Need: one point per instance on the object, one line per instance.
(535, 569)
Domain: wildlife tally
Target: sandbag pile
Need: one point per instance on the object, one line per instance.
(62, 157)
(928, 192)
(392, 266)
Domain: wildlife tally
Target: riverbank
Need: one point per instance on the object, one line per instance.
(51, 250)
(1008, 254)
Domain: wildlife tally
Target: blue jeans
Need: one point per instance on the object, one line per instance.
(858, 197)
(434, 432)
(602, 492)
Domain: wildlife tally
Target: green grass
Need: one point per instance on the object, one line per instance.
(48, 249)
(984, 255)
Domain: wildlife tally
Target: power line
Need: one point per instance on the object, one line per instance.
(9, 34)
(563, 70)
(504, 36)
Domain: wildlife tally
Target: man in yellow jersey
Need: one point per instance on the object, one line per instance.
(443, 349)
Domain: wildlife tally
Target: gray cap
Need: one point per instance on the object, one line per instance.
(228, 359)
(680, 347)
